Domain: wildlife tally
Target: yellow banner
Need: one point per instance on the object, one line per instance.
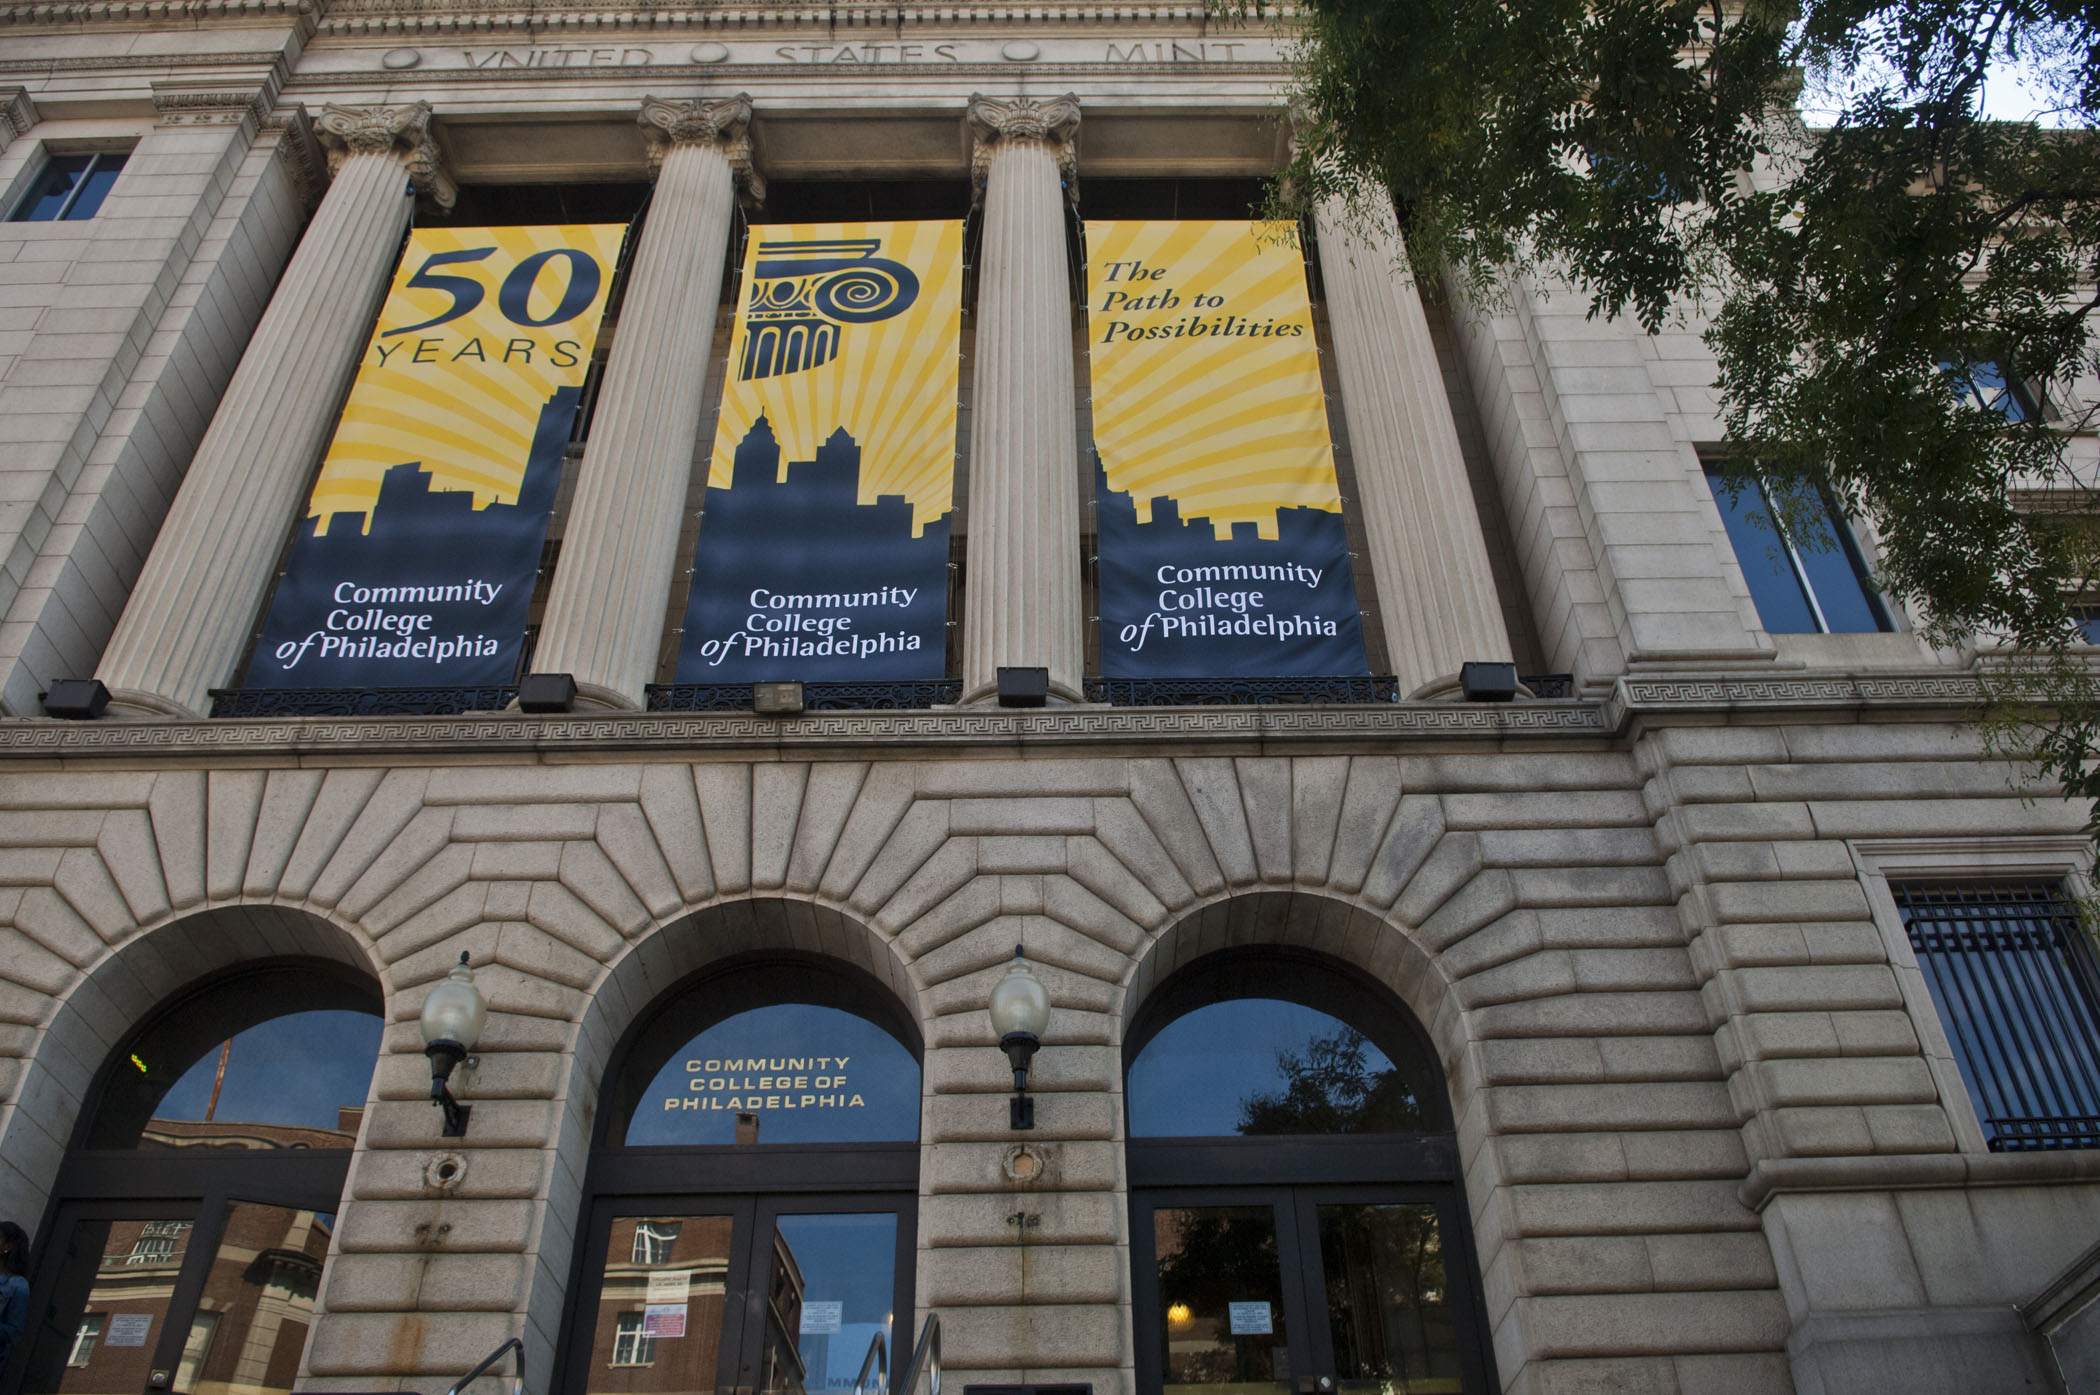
(414, 564)
(829, 338)
(480, 328)
(1206, 383)
(1218, 528)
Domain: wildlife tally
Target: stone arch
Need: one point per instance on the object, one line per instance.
(93, 1014)
(651, 966)
(1301, 918)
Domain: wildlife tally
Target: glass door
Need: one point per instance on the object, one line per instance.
(668, 1282)
(210, 1300)
(1280, 1290)
(774, 1296)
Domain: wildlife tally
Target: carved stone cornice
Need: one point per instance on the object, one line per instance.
(401, 131)
(209, 102)
(724, 122)
(17, 114)
(299, 152)
(1053, 123)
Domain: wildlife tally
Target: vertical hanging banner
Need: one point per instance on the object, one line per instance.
(415, 562)
(823, 549)
(1219, 525)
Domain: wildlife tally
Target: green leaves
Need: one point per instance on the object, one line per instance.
(1850, 279)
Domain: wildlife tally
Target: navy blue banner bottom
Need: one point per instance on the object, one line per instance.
(1179, 602)
(435, 593)
(797, 579)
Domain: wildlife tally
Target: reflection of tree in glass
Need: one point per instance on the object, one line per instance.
(1332, 1088)
(1386, 1293)
(1210, 1257)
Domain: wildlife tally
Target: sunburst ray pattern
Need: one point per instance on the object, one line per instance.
(464, 397)
(892, 383)
(1206, 386)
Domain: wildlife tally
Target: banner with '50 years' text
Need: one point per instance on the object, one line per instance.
(414, 564)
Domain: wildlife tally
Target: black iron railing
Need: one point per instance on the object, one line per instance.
(816, 697)
(2013, 978)
(1240, 692)
(357, 702)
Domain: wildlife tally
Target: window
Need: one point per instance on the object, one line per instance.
(630, 1346)
(653, 1241)
(1804, 571)
(151, 1249)
(69, 188)
(84, 1340)
(2012, 978)
(1987, 385)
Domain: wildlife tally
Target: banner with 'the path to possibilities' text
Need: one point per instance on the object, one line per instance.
(1220, 529)
(415, 561)
(823, 548)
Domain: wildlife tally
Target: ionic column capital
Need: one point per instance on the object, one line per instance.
(723, 122)
(993, 124)
(403, 132)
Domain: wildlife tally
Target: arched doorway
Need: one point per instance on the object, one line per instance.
(750, 1218)
(184, 1245)
(1297, 1221)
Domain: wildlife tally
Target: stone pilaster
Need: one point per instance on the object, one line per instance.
(1436, 589)
(1021, 604)
(605, 614)
(196, 600)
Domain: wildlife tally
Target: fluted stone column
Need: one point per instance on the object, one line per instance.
(197, 598)
(1435, 589)
(605, 613)
(1021, 598)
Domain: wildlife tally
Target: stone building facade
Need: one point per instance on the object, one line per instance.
(1708, 1132)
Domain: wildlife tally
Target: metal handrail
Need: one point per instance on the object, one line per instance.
(879, 1358)
(925, 1356)
(517, 1343)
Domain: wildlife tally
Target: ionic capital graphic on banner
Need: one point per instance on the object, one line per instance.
(415, 564)
(803, 293)
(1222, 547)
(823, 548)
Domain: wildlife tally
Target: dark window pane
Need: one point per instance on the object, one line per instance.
(95, 187)
(1782, 606)
(1835, 573)
(47, 195)
(1388, 1301)
(278, 1059)
(1265, 1066)
(1221, 1301)
(258, 1302)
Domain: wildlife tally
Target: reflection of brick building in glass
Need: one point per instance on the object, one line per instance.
(227, 1133)
(630, 1352)
(252, 1317)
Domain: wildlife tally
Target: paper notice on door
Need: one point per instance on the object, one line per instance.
(1249, 1319)
(672, 1286)
(127, 1329)
(822, 1319)
(663, 1320)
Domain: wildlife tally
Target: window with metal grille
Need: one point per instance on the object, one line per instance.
(2014, 982)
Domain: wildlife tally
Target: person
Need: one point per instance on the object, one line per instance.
(14, 1287)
